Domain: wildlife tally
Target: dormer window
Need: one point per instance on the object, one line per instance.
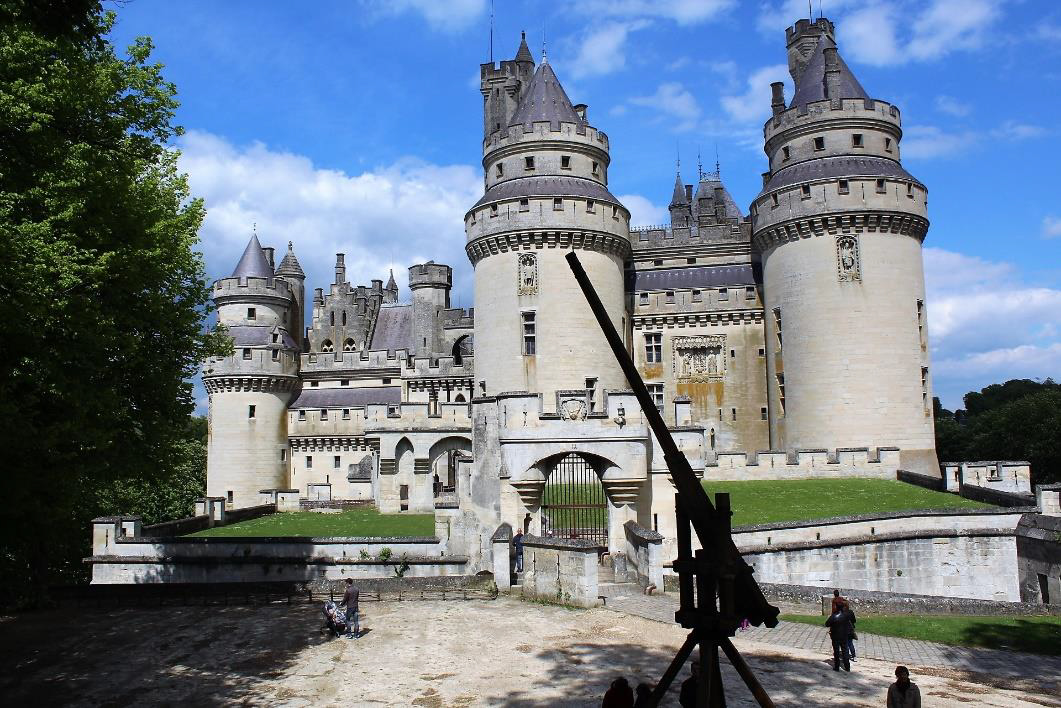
(252, 313)
(499, 169)
(276, 337)
(819, 143)
(856, 140)
(565, 162)
(528, 162)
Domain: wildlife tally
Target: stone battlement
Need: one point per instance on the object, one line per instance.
(256, 362)
(880, 462)
(543, 131)
(244, 288)
(853, 109)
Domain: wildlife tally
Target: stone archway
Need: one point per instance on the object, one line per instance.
(574, 504)
(443, 457)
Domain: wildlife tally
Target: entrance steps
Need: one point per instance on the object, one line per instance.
(608, 587)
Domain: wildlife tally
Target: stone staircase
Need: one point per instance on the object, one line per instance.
(608, 587)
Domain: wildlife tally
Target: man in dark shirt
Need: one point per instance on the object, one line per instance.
(840, 628)
(353, 631)
(517, 543)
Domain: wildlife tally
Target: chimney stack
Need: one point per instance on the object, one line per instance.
(269, 256)
(777, 103)
(832, 73)
(340, 268)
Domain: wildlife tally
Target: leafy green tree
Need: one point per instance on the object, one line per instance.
(101, 289)
(1027, 428)
(997, 395)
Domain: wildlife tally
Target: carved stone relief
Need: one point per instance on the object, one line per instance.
(848, 262)
(528, 274)
(700, 359)
(573, 409)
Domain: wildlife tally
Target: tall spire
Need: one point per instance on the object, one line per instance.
(524, 53)
(679, 198)
(545, 100)
(253, 263)
(391, 285)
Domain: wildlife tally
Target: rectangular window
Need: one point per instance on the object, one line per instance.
(493, 210)
(762, 351)
(643, 298)
(733, 413)
(524, 204)
(324, 414)
(229, 496)
(856, 140)
(723, 294)
(888, 144)
(302, 415)
(596, 168)
(784, 153)
(910, 190)
(657, 262)
(276, 355)
(314, 384)
(250, 411)
(499, 170)
(749, 292)
(590, 205)
(656, 391)
(283, 455)
(528, 162)
(654, 347)
(252, 313)
(805, 191)
(344, 382)
(246, 353)
(781, 392)
(921, 322)
(924, 390)
(386, 381)
(819, 143)
(615, 212)
(777, 326)
(842, 187)
(762, 413)
(558, 204)
(881, 188)
(335, 462)
(346, 414)
(698, 296)
(732, 353)
(529, 343)
(773, 199)
(565, 162)
(309, 462)
(690, 261)
(670, 297)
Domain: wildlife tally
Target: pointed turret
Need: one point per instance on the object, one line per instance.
(545, 101)
(290, 264)
(679, 198)
(253, 263)
(390, 293)
(524, 53)
(826, 76)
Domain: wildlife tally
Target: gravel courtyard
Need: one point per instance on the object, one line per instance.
(456, 653)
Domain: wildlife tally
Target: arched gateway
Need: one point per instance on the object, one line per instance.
(573, 502)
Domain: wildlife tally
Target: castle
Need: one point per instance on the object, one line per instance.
(789, 341)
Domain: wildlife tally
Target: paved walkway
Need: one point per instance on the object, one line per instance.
(911, 652)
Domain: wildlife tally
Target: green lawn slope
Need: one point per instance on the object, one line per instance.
(352, 522)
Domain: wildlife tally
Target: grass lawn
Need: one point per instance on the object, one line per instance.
(760, 502)
(352, 522)
(1038, 635)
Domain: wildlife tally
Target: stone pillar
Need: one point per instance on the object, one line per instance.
(563, 571)
(501, 547)
(105, 532)
(1048, 498)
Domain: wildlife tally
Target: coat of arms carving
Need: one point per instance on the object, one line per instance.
(700, 359)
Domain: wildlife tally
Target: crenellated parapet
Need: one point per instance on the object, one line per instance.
(229, 290)
(252, 370)
(489, 245)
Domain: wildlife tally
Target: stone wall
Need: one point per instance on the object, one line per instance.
(998, 475)
(560, 571)
(881, 463)
(644, 555)
(1039, 559)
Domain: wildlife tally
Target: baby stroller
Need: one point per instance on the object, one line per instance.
(334, 619)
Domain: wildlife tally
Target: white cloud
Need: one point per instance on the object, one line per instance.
(642, 211)
(391, 216)
(895, 32)
(929, 141)
(986, 324)
(952, 106)
(1051, 226)
(673, 101)
(684, 12)
(1014, 130)
(449, 16)
(603, 50)
(754, 103)
(679, 63)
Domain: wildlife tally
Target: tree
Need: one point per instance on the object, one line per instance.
(997, 395)
(100, 286)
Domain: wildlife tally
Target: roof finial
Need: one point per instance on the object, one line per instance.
(545, 60)
(677, 156)
(699, 165)
(491, 31)
(718, 170)
(254, 228)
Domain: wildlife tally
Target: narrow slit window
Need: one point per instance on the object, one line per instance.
(336, 462)
(888, 144)
(596, 168)
(785, 153)
(250, 411)
(565, 162)
(309, 462)
(499, 170)
(591, 206)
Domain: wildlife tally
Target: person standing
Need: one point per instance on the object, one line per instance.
(687, 695)
(350, 598)
(839, 624)
(838, 600)
(517, 543)
(620, 695)
(854, 635)
(903, 693)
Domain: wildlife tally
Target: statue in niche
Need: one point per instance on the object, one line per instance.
(699, 359)
(847, 258)
(528, 274)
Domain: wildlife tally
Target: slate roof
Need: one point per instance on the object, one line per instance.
(258, 336)
(707, 189)
(253, 263)
(394, 329)
(690, 277)
(545, 100)
(836, 167)
(347, 397)
(546, 186)
(524, 53)
(290, 264)
(678, 198)
(811, 86)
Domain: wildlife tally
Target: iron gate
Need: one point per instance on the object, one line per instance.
(573, 504)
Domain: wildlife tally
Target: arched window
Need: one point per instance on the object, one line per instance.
(348, 345)
(459, 398)
(327, 346)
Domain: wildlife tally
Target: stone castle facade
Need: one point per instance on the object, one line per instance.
(798, 328)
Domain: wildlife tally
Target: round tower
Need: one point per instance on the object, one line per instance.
(249, 391)
(291, 271)
(430, 284)
(839, 225)
(546, 194)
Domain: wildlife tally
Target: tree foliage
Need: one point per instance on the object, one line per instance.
(100, 286)
(1016, 420)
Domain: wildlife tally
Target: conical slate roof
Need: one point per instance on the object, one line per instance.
(679, 198)
(391, 285)
(524, 53)
(290, 264)
(253, 263)
(545, 100)
(811, 86)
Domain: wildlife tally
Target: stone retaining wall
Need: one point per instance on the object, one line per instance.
(560, 571)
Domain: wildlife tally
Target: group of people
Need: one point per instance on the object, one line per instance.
(841, 624)
(620, 695)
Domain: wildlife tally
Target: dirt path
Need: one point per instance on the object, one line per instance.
(475, 653)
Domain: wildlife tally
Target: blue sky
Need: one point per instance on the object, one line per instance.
(356, 127)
